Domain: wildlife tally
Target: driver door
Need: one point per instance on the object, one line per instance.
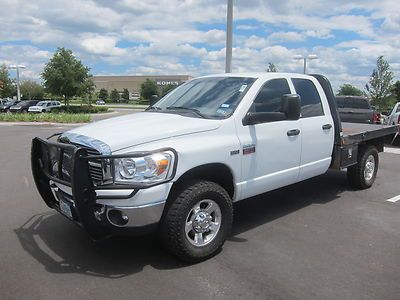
(270, 151)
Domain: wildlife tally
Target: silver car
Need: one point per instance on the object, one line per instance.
(44, 106)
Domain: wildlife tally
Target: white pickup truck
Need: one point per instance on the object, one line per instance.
(179, 166)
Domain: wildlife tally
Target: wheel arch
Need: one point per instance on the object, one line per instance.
(216, 172)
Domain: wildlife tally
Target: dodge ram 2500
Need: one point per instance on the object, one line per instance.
(178, 166)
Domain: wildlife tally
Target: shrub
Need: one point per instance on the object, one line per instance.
(47, 117)
(82, 109)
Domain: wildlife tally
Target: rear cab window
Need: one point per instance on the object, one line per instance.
(311, 105)
(361, 103)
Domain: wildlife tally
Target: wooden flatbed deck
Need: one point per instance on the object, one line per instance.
(357, 132)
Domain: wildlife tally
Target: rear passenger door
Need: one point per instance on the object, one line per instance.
(317, 128)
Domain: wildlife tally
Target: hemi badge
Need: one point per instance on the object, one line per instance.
(235, 152)
(248, 149)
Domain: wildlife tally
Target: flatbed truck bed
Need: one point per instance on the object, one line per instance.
(358, 132)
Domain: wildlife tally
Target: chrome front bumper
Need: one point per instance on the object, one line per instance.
(136, 216)
(117, 215)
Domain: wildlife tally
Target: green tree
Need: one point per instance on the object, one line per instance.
(168, 88)
(7, 88)
(66, 76)
(380, 84)
(114, 95)
(349, 90)
(271, 67)
(396, 90)
(103, 94)
(125, 95)
(88, 89)
(148, 89)
(30, 89)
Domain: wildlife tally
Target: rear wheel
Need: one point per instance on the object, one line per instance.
(363, 175)
(197, 222)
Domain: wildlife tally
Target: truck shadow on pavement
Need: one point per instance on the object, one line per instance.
(62, 247)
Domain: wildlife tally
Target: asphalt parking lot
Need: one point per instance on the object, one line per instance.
(315, 240)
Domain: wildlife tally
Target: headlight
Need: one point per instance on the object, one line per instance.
(147, 170)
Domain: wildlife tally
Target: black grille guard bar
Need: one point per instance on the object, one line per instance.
(81, 184)
(83, 190)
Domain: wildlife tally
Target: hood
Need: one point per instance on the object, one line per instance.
(138, 128)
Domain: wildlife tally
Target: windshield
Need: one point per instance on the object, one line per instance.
(210, 97)
(41, 103)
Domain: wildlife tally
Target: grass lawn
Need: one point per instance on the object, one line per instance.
(45, 117)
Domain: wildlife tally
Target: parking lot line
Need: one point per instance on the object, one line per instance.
(394, 199)
(392, 150)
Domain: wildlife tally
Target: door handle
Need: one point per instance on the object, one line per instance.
(326, 126)
(293, 132)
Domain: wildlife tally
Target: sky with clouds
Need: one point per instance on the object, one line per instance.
(132, 37)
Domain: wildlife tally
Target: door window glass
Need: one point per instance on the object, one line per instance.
(311, 105)
(270, 96)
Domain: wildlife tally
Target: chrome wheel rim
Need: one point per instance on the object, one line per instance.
(203, 222)
(369, 168)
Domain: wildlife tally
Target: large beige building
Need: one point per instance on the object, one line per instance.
(133, 83)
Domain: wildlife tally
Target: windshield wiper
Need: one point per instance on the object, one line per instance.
(196, 111)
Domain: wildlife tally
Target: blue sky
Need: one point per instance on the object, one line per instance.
(130, 37)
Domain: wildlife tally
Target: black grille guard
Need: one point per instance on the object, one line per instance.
(83, 191)
(77, 177)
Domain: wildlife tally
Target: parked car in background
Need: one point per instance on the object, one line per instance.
(100, 102)
(6, 106)
(23, 106)
(44, 106)
(356, 109)
(394, 116)
(3, 101)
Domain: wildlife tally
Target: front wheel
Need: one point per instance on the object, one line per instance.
(363, 175)
(197, 222)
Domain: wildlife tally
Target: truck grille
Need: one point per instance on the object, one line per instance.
(95, 167)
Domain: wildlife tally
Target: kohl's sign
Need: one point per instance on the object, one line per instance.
(167, 82)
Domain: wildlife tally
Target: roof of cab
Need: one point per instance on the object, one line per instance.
(262, 75)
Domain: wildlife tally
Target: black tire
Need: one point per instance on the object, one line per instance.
(43, 110)
(24, 111)
(356, 175)
(172, 227)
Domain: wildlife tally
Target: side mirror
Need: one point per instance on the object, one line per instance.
(253, 118)
(291, 106)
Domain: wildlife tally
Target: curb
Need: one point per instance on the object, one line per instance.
(40, 124)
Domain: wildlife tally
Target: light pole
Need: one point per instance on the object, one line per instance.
(229, 37)
(305, 58)
(17, 67)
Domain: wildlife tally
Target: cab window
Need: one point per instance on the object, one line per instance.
(270, 95)
(311, 105)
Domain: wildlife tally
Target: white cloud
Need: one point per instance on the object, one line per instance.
(186, 36)
(290, 36)
(103, 45)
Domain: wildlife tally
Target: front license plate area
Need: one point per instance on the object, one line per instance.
(66, 209)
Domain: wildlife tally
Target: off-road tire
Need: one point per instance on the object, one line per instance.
(355, 174)
(172, 226)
